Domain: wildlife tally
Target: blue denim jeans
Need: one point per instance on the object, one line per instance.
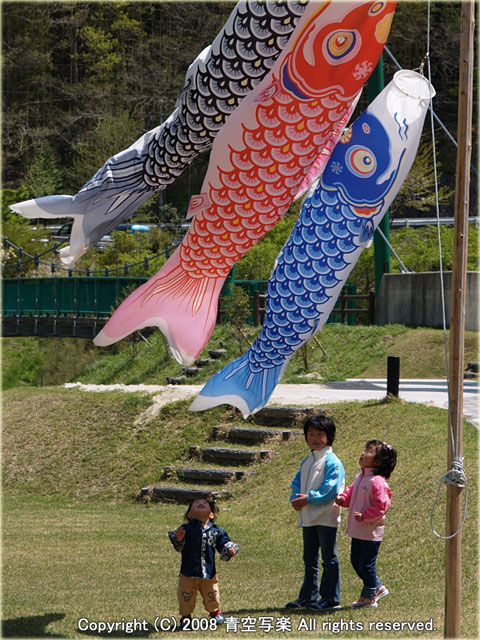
(363, 556)
(324, 539)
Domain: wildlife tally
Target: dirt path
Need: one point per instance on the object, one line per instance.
(433, 392)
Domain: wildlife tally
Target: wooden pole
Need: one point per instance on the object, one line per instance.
(453, 547)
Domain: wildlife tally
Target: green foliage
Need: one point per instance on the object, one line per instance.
(345, 352)
(24, 365)
(69, 67)
(94, 146)
(136, 362)
(87, 79)
(9, 197)
(20, 233)
(42, 361)
(43, 177)
(408, 43)
(421, 249)
(171, 219)
(363, 273)
(101, 56)
(418, 249)
(132, 248)
(82, 81)
(336, 353)
(417, 195)
(236, 306)
(259, 262)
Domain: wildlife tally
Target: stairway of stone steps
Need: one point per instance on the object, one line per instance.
(188, 372)
(232, 456)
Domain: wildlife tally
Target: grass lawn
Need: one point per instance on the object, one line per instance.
(76, 545)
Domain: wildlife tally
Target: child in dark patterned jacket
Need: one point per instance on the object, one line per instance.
(197, 541)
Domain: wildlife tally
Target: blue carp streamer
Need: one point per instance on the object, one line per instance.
(338, 218)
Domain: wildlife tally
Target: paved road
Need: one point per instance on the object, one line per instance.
(433, 392)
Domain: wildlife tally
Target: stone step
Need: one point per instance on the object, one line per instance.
(205, 474)
(178, 380)
(181, 494)
(283, 416)
(231, 456)
(252, 434)
(216, 353)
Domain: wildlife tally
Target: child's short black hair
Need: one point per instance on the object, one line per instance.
(213, 508)
(322, 423)
(386, 456)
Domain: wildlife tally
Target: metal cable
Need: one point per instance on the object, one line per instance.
(456, 475)
(402, 266)
(399, 66)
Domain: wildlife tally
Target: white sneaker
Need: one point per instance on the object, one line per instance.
(381, 592)
(364, 603)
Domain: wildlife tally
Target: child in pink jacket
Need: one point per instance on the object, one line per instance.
(369, 498)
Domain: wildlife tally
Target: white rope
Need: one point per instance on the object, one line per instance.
(456, 475)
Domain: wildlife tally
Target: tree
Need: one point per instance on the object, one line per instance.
(86, 79)
(43, 177)
(93, 147)
(129, 248)
(418, 249)
(417, 196)
(18, 232)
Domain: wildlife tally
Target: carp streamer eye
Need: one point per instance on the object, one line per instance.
(361, 161)
(341, 46)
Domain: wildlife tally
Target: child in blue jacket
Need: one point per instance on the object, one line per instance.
(314, 489)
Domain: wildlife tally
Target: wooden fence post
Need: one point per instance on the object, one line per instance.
(371, 307)
(256, 308)
(344, 307)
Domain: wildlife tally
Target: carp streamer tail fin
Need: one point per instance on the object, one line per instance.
(237, 384)
(182, 306)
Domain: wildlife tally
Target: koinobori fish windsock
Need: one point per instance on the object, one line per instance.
(257, 164)
(241, 55)
(317, 167)
(338, 218)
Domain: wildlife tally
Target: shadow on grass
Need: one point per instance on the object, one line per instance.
(303, 611)
(31, 626)
(284, 611)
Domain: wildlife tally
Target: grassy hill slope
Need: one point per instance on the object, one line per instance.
(76, 544)
(337, 352)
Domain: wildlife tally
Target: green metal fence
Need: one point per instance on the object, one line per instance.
(99, 296)
(78, 296)
(252, 287)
